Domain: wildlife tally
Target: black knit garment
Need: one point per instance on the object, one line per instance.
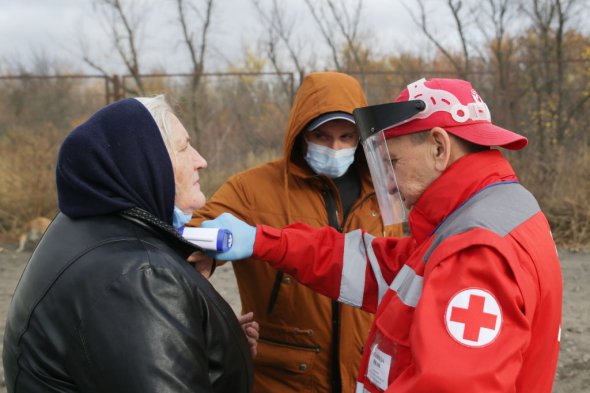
(115, 161)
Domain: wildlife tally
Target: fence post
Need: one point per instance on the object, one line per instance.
(107, 93)
(116, 88)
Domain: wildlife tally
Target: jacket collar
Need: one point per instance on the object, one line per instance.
(162, 230)
(457, 184)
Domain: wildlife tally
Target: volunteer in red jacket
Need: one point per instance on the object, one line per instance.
(471, 301)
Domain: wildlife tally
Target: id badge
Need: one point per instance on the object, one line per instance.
(380, 361)
(379, 366)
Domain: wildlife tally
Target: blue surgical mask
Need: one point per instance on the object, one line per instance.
(326, 161)
(179, 218)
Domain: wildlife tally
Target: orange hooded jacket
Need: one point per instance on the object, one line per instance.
(298, 327)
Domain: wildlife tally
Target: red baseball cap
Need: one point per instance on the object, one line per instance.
(455, 106)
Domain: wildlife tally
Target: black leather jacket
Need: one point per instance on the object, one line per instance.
(109, 304)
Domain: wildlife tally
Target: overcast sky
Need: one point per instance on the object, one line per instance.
(56, 27)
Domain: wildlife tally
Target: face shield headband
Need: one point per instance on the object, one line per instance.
(371, 122)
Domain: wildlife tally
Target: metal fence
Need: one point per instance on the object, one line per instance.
(238, 120)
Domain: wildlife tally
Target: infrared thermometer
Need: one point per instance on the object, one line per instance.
(214, 239)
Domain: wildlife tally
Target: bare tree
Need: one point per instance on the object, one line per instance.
(562, 14)
(113, 91)
(280, 34)
(328, 14)
(493, 19)
(551, 19)
(195, 40)
(462, 66)
(121, 23)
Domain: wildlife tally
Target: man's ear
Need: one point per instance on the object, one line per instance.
(441, 148)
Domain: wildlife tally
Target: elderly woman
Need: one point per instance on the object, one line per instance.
(108, 302)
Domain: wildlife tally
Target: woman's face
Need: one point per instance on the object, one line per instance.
(186, 162)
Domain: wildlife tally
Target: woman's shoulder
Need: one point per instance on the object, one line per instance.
(109, 243)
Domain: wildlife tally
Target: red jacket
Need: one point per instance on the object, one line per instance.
(472, 300)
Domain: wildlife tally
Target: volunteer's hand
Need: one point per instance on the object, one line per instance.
(251, 329)
(243, 237)
(203, 263)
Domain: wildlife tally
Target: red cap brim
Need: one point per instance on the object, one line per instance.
(487, 134)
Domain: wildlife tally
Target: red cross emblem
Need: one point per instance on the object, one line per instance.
(473, 317)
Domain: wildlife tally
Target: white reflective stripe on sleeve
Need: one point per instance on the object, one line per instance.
(408, 286)
(381, 284)
(354, 266)
(360, 388)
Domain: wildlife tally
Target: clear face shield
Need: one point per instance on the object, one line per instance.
(371, 122)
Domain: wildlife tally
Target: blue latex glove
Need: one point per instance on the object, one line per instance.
(243, 237)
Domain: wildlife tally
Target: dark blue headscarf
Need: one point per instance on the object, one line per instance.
(116, 160)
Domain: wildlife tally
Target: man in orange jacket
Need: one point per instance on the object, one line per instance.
(471, 301)
(308, 343)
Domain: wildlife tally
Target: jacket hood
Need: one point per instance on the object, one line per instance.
(319, 93)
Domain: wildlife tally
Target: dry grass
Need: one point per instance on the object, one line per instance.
(241, 125)
(27, 176)
(27, 182)
(561, 182)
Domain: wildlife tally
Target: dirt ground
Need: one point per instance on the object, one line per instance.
(573, 373)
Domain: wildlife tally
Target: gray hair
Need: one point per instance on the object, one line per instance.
(420, 137)
(161, 112)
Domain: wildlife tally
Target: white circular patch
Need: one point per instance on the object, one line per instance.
(473, 317)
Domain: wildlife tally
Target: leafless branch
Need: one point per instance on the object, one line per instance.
(422, 22)
(95, 65)
(455, 7)
(348, 25)
(279, 34)
(196, 49)
(279, 30)
(197, 55)
(123, 33)
(320, 18)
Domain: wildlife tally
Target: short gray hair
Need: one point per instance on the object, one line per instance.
(469, 147)
(160, 110)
